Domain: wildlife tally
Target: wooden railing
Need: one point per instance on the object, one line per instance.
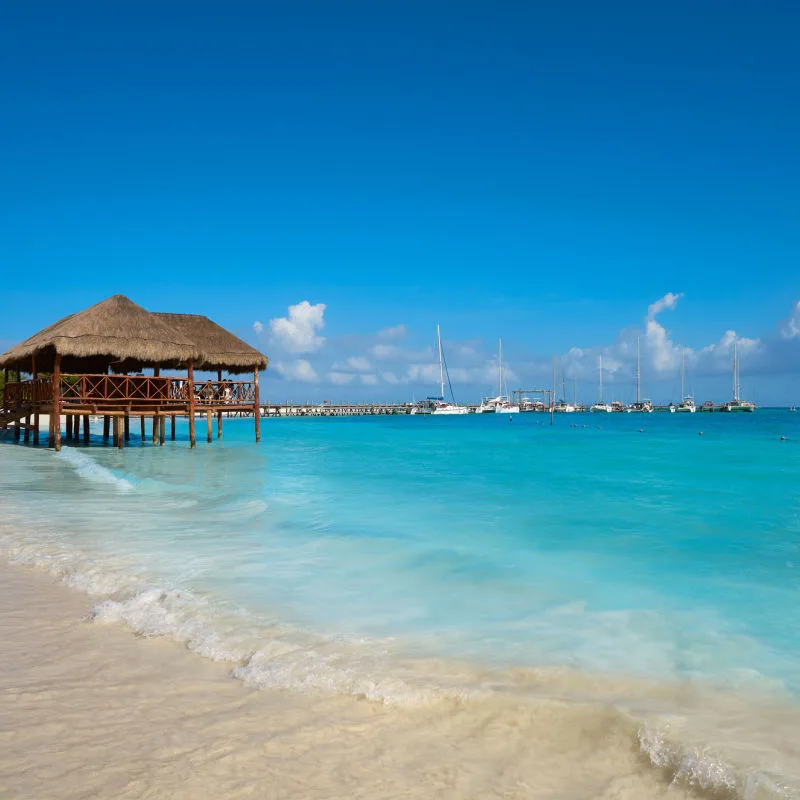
(128, 390)
(225, 393)
(28, 393)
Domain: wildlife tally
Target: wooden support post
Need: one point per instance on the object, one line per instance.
(57, 403)
(172, 427)
(257, 406)
(27, 428)
(51, 435)
(190, 388)
(35, 376)
(156, 374)
(141, 422)
(5, 389)
(116, 440)
(106, 426)
(86, 429)
(208, 426)
(127, 423)
(219, 411)
(162, 429)
(17, 429)
(68, 426)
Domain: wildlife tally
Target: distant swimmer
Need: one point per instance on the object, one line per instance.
(700, 434)
(783, 438)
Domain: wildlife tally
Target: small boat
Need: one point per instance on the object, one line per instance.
(502, 403)
(686, 404)
(640, 406)
(737, 404)
(440, 406)
(600, 406)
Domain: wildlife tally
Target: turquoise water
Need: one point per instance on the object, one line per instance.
(408, 557)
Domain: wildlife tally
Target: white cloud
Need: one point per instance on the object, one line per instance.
(358, 363)
(369, 380)
(258, 327)
(385, 351)
(668, 301)
(791, 328)
(298, 332)
(390, 378)
(396, 332)
(300, 370)
(718, 357)
(340, 378)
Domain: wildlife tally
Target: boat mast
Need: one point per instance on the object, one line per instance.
(563, 384)
(683, 371)
(553, 401)
(735, 375)
(601, 379)
(441, 361)
(500, 372)
(638, 374)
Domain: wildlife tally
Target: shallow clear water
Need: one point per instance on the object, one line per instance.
(409, 557)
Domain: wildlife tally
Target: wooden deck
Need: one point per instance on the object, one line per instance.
(118, 398)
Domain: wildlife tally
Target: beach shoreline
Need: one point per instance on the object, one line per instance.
(91, 710)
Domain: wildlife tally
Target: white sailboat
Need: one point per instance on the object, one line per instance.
(440, 407)
(641, 406)
(737, 404)
(600, 405)
(503, 404)
(686, 404)
(563, 406)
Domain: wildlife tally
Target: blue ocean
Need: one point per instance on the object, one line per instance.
(650, 562)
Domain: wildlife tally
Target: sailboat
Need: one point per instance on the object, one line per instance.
(440, 407)
(737, 404)
(644, 406)
(686, 404)
(600, 405)
(503, 404)
(563, 407)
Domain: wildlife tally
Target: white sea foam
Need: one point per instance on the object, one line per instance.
(271, 656)
(90, 470)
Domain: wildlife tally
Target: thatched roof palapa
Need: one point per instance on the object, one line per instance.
(119, 332)
(218, 348)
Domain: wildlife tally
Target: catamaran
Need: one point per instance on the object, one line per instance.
(737, 404)
(500, 404)
(562, 406)
(640, 406)
(600, 405)
(686, 404)
(440, 406)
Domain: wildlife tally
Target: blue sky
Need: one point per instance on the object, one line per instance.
(544, 173)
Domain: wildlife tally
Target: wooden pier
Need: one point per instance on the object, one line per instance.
(87, 358)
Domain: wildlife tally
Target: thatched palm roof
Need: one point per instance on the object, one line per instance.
(120, 333)
(111, 331)
(218, 348)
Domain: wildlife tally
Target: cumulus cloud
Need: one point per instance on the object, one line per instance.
(668, 301)
(395, 332)
(358, 364)
(340, 378)
(384, 352)
(791, 327)
(299, 370)
(258, 327)
(369, 380)
(299, 331)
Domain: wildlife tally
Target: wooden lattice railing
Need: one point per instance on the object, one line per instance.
(128, 390)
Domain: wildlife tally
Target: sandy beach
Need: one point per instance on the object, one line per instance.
(90, 710)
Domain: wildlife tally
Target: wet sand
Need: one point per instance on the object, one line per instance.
(90, 710)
